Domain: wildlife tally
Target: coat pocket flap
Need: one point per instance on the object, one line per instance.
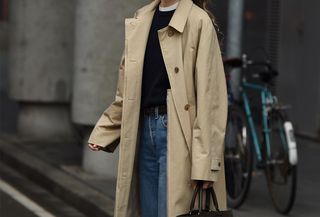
(215, 164)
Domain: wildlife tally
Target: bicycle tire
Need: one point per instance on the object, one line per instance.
(238, 157)
(279, 164)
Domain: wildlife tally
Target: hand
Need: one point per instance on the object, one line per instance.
(206, 184)
(94, 147)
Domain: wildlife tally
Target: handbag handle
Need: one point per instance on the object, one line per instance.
(199, 190)
(194, 194)
(214, 198)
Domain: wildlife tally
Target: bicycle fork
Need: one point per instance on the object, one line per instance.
(288, 136)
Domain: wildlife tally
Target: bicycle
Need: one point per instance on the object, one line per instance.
(276, 154)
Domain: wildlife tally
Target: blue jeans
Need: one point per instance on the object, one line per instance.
(152, 166)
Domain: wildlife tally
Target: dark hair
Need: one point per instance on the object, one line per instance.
(204, 5)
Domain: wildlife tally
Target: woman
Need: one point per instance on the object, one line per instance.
(170, 110)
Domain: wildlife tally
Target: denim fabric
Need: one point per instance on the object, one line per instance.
(152, 166)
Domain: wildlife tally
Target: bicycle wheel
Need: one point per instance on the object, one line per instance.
(281, 169)
(238, 157)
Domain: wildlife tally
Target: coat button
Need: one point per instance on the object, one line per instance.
(186, 107)
(170, 32)
(176, 69)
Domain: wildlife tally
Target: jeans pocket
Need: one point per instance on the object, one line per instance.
(164, 120)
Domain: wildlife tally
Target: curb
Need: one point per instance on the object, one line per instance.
(74, 191)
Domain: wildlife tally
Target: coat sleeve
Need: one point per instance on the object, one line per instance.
(106, 131)
(211, 107)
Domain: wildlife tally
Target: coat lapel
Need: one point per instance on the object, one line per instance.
(173, 58)
(136, 36)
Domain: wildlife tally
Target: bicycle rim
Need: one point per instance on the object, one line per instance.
(281, 175)
(238, 158)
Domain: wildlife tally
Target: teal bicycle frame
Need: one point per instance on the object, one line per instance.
(266, 98)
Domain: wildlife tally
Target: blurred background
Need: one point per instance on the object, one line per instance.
(58, 72)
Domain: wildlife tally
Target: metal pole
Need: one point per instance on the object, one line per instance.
(234, 39)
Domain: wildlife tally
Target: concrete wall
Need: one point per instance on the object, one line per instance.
(40, 65)
(63, 67)
(41, 46)
(99, 41)
(299, 63)
(8, 108)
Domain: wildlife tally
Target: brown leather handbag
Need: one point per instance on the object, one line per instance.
(206, 212)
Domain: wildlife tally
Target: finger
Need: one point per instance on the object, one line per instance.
(94, 147)
(205, 185)
(193, 183)
(98, 147)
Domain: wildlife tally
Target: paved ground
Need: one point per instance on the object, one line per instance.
(258, 202)
(20, 197)
(11, 208)
(308, 191)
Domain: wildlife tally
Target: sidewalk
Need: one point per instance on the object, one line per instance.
(52, 166)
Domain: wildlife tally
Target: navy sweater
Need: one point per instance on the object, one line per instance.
(155, 80)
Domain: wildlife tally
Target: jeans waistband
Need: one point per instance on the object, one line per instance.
(155, 110)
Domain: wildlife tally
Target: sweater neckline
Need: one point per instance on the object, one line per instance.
(168, 8)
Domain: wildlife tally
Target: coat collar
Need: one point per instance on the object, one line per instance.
(136, 35)
(179, 18)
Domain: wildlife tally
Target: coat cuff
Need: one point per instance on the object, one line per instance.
(207, 170)
(108, 142)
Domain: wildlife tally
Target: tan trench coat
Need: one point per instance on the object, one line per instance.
(196, 104)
